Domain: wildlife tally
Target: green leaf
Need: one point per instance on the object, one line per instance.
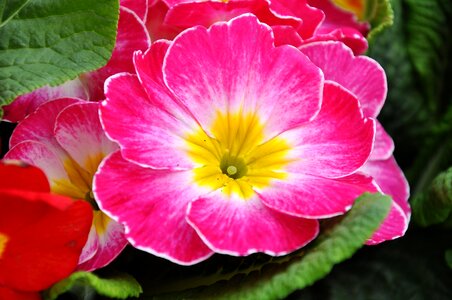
(413, 53)
(448, 257)
(50, 42)
(9, 8)
(380, 16)
(429, 30)
(119, 286)
(434, 206)
(264, 277)
(412, 267)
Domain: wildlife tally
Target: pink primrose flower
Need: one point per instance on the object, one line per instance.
(64, 138)
(363, 77)
(132, 35)
(229, 144)
(294, 22)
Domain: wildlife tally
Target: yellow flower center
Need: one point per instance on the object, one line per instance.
(79, 186)
(3, 241)
(236, 157)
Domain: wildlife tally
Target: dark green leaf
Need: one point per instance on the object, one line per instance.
(120, 286)
(434, 206)
(9, 8)
(50, 42)
(264, 277)
(448, 257)
(412, 267)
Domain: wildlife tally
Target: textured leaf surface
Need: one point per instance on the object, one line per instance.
(49, 42)
(409, 268)
(380, 16)
(434, 206)
(120, 286)
(264, 277)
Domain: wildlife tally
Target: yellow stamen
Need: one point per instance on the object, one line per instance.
(235, 157)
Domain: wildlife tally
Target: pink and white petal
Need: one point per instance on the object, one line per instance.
(139, 7)
(247, 75)
(132, 35)
(148, 65)
(384, 145)
(146, 133)
(315, 197)
(310, 17)
(349, 36)
(79, 132)
(111, 241)
(339, 140)
(152, 205)
(24, 105)
(39, 126)
(362, 75)
(41, 155)
(391, 180)
(241, 227)
(394, 226)
(91, 246)
(337, 18)
(149, 70)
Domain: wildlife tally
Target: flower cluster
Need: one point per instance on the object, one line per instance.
(235, 131)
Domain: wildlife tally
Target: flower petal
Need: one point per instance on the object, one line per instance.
(24, 105)
(337, 142)
(21, 180)
(79, 132)
(384, 145)
(340, 65)
(152, 206)
(315, 197)
(46, 234)
(139, 7)
(222, 69)
(110, 241)
(237, 227)
(131, 36)
(146, 132)
(39, 126)
(391, 180)
(394, 226)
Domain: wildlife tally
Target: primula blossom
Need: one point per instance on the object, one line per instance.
(229, 144)
(366, 79)
(41, 234)
(65, 139)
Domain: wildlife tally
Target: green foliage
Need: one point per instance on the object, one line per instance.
(120, 286)
(434, 206)
(264, 277)
(380, 16)
(412, 267)
(448, 257)
(45, 42)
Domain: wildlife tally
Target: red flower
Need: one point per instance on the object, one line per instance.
(41, 234)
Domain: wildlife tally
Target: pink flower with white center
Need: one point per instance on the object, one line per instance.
(131, 36)
(363, 77)
(64, 138)
(229, 144)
